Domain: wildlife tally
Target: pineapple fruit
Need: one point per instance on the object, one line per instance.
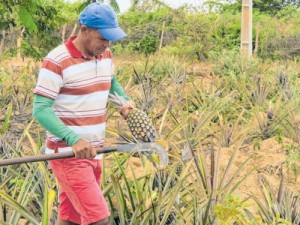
(137, 120)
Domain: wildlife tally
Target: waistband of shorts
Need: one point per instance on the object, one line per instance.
(55, 145)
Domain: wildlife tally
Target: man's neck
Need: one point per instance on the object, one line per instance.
(78, 44)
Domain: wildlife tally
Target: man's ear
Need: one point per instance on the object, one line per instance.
(83, 28)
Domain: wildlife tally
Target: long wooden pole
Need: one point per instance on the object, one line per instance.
(126, 148)
(246, 28)
(52, 156)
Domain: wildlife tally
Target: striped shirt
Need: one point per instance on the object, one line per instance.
(80, 88)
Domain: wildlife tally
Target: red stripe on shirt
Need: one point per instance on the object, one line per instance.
(86, 89)
(83, 121)
(50, 65)
(67, 62)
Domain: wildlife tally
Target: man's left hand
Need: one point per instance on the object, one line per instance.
(125, 109)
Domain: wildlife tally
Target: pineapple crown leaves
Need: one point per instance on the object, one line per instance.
(117, 99)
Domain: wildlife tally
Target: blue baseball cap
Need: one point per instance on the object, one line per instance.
(103, 18)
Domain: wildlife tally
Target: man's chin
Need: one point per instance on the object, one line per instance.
(100, 52)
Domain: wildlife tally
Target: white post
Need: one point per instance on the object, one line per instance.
(246, 29)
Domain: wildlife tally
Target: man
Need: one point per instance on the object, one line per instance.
(70, 103)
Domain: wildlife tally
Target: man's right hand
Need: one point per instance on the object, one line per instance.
(84, 150)
(125, 109)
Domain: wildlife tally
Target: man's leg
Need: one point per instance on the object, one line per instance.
(102, 222)
(64, 222)
(80, 182)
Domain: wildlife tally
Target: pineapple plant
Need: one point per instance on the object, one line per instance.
(171, 219)
(138, 121)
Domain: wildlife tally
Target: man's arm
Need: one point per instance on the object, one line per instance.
(117, 88)
(44, 114)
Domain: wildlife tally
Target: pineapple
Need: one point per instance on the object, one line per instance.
(137, 120)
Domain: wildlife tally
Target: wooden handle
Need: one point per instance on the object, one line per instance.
(61, 155)
(126, 148)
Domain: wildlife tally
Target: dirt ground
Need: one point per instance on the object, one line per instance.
(269, 161)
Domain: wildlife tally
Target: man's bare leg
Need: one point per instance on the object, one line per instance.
(102, 222)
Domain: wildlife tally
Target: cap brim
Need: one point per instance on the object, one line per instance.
(112, 34)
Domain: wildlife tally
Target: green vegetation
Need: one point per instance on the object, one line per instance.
(217, 114)
(33, 28)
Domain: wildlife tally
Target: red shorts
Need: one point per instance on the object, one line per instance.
(81, 199)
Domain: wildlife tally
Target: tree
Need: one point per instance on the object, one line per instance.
(17, 17)
(271, 7)
(147, 5)
(21, 12)
(32, 25)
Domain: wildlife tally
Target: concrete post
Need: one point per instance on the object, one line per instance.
(246, 28)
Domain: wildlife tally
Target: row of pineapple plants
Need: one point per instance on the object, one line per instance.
(197, 115)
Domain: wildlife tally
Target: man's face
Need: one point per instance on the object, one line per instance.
(94, 43)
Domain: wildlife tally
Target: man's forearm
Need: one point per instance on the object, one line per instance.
(44, 114)
(116, 88)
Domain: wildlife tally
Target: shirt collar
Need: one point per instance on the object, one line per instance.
(75, 53)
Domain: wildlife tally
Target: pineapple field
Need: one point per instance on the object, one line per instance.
(229, 124)
(230, 127)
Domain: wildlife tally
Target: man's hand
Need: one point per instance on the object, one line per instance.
(84, 150)
(125, 109)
